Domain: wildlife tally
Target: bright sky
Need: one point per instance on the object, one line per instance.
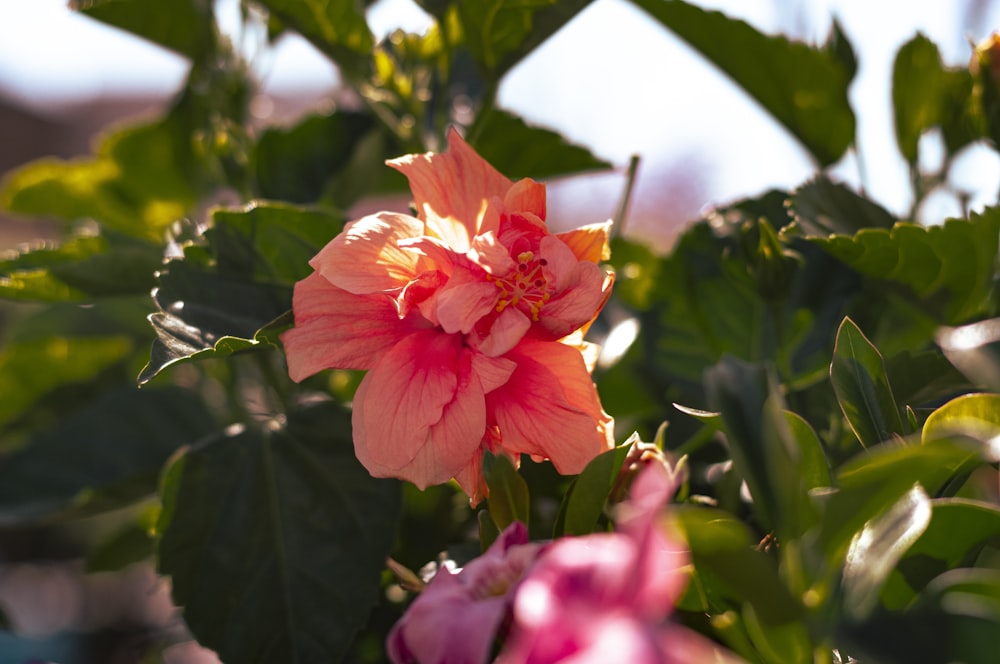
(612, 80)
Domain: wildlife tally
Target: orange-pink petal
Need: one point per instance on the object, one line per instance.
(526, 196)
(366, 256)
(335, 329)
(550, 408)
(590, 242)
(419, 414)
(450, 190)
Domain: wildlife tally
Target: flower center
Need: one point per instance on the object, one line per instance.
(525, 287)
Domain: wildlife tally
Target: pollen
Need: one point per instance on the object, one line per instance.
(525, 287)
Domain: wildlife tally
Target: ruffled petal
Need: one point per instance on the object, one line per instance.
(450, 190)
(465, 299)
(550, 408)
(366, 256)
(526, 196)
(590, 242)
(419, 414)
(335, 329)
(575, 306)
(505, 332)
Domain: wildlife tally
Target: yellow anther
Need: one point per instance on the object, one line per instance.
(525, 256)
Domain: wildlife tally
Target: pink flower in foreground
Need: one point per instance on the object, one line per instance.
(606, 597)
(456, 617)
(464, 318)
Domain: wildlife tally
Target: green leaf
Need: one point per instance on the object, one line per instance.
(183, 26)
(859, 380)
(84, 266)
(299, 163)
(509, 499)
(275, 539)
(925, 94)
(803, 87)
(520, 150)
(976, 416)
(336, 27)
(499, 33)
(878, 546)
(32, 368)
(107, 454)
(132, 542)
(141, 180)
(949, 267)
(729, 569)
(585, 501)
(822, 207)
(924, 377)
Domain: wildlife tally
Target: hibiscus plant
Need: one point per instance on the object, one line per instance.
(392, 435)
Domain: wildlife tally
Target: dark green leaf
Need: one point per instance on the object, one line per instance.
(803, 87)
(519, 150)
(275, 539)
(925, 94)
(859, 379)
(924, 378)
(184, 26)
(499, 33)
(336, 27)
(823, 207)
(878, 546)
(131, 543)
(297, 164)
(105, 455)
(585, 501)
(953, 262)
(509, 499)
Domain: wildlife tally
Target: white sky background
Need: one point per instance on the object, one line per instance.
(612, 79)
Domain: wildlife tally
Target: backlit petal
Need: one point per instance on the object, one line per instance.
(366, 257)
(590, 242)
(526, 196)
(335, 329)
(450, 189)
(465, 299)
(419, 413)
(549, 407)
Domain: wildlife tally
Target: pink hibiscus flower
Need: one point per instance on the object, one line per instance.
(468, 320)
(605, 597)
(456, 618)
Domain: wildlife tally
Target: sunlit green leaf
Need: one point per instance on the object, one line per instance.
(974, 349)
(879, 545)
(336, 27)
(822, 206)
(520, 150)
(803, 87)
(926, 94)
(950, 267)
(586, 499)
(499, 33)
(974, 415)
(275, 539)
(859, 379)
(184, 26)
(102, 456)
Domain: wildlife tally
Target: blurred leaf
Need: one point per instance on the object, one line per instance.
(974, 415)
(336, 27)
(878, 546)
(953, 262)
(499, 33)
(858, 376)
(140, 181)
(105, 455)
(636, 272)
(840, 47)
(520, 150)
(974, 349)
(787, 642)
(275, 539)
(584, 502)
(509, 500)
(924, 377)
(183, 26)
(32, 368)
(87, 265)
(803, 87)
(880, 476)
(824, 207)
(925, 94)
(132, 542)
(728, 568)
(297, 163)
